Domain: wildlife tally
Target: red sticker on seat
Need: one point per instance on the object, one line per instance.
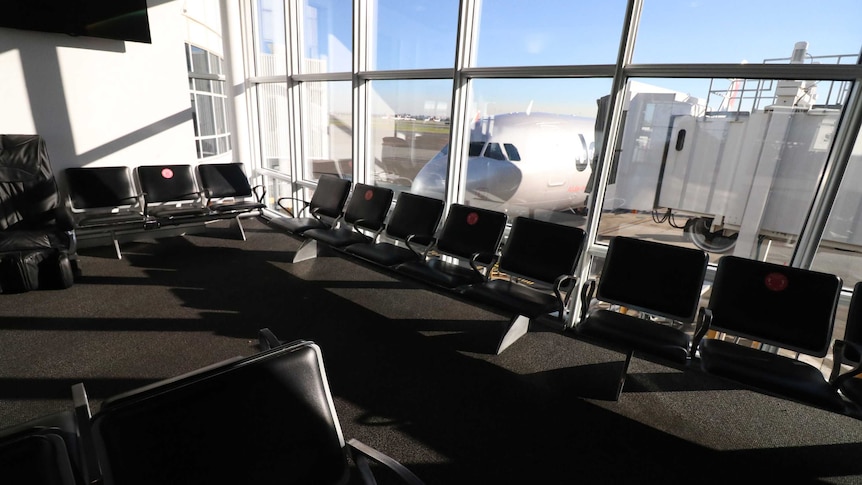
(369, 194)
(472, 218)
(167, 173)
(776, 281)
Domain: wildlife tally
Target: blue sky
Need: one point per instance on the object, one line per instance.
(418, 34)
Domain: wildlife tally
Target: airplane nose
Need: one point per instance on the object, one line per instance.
(429, 185)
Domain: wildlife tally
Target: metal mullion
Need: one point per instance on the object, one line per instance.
(459, 128)
(561, 71)
(815, 72)
(359, 91)
(398, 74)
(293, 20)
(612, 126)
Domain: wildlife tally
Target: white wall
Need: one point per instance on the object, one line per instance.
(101, 102)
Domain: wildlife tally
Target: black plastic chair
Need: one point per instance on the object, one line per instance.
(49, 450)
(228, 193)
(775, 306)
(264, 419)
(660, 281)
(321, 211)
(362, 221)
(848, 352)
(536, 262)
(413, 223)
(174, 190)
(469, 235)
(104, 200)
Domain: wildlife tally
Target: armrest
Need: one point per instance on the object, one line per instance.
(474, 264)
(704, 320)
(430, 240)
(587, 291)
(839, 357)
(303, 203)
(361, 453)
(259, 192)
(558, 292)
(90, 462)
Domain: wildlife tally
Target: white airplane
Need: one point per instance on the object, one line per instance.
(520, 162)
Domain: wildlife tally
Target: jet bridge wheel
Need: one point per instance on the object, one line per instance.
(697, 230)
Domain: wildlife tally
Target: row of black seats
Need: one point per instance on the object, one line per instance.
(264, 419)
(648, 297)
(108, 200)
(459, 257)
(760, 323)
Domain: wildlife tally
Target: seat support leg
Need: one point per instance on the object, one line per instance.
(238, 224)
(621, 380)
(116, 246)
(516, 329)
(308, 250)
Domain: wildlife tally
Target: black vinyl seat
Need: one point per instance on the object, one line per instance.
(42, 452)
(321, 211)
(848, 351)
(469, 235)
(660, 281)
(365, 211)
(228, 193)
(537, 259)
(413, 223)
(106, 200)
(227, 189)
(264, 419)
(777, 306)
(174, 189)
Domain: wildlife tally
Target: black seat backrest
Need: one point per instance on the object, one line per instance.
(42, 452)
(330, 196)
(100, 187)
(853, 324)
(792, 308)
(168, 183)
(28, 190)
(224, 180)
(368, 206)
(264, 419)
(541, 250)
(469, 230)
(414, 215)
(660, 279)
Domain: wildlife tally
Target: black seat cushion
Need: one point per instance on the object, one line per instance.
(299, 225)
(635, 333)
(770, 372)
(513, 297)
(336, 237)
(382, 253)
(440, 273)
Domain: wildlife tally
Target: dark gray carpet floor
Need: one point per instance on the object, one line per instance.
(413, 371)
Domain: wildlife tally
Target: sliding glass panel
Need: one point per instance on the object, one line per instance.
(326, 129)
(416, 34)
(840, 250)
(270, 38)
(326, 36)
(273, 125)
(553, 32)
(532, 143)
(739, 31)
(409, 126)
(730, 166)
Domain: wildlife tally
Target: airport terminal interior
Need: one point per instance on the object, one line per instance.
(547, 242)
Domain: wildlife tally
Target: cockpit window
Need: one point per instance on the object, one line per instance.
(512, 152)
(494, 151)
(476, 148)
